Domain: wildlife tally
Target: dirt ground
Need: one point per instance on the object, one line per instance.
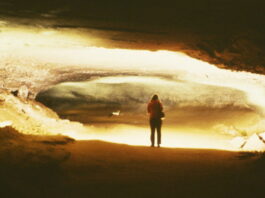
(32, 166)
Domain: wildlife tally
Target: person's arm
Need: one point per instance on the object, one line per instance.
(161, 106)
(148, 108)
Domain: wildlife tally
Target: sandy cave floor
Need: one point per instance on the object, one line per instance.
(45, 166)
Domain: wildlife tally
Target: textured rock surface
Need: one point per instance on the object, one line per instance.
(31, 117)
(224, 32)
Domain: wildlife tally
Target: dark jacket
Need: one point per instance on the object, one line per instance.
(154, 109)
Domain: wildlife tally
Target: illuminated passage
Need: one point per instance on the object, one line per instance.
(114, 109)
(199, 98)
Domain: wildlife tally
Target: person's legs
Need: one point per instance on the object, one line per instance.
(158, 128)
(152, 126)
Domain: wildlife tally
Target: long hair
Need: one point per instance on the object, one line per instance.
(155, 97)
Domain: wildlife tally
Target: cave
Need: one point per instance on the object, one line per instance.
(203, 109)
(76, 78)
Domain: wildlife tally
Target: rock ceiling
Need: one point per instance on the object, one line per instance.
(227, 33)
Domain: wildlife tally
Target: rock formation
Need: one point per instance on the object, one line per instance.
(224, 32)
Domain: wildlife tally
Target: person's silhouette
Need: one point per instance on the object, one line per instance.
(155, 110)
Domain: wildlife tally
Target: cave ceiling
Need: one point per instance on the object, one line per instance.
(227, 33)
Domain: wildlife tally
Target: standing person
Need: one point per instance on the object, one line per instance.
(155, 111)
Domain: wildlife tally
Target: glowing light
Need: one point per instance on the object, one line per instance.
(5, 124)
(262, 135)
(139, 136)
(50, 45)
(67, 49)
(23, 38)
(238, 142)
(132, 79)
(254, 143)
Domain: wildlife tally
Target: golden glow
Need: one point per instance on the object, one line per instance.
(140, 136)
(171, 138)
(36, 38)
(68, 49)
(62, 48)
(132, 79)
(5, 123)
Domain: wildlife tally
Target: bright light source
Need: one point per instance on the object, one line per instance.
(139, 136)
(5, 124)
(30, 47)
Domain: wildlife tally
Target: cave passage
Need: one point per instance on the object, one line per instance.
(114, 109)
(105, 88)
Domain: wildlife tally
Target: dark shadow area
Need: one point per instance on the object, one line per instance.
(100, 169)
(29, 166)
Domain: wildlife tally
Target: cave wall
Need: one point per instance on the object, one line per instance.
(227, 33)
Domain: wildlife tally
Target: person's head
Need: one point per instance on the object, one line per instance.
(155, 97)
